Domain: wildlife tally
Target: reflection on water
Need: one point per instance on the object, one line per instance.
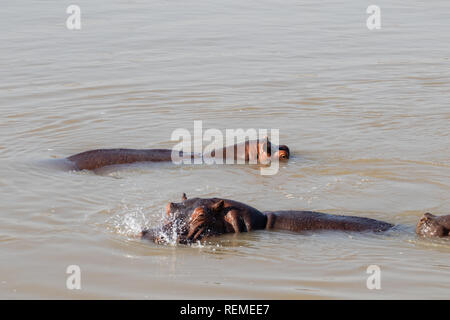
(365, 114)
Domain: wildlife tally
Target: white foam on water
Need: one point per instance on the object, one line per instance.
(130, 221)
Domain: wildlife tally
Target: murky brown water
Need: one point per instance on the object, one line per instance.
(365, 113)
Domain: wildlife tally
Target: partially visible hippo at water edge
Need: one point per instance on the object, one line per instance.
(259, 151)
(196, 218)
(433, 226)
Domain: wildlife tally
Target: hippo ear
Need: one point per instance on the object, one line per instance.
(218, 206)
(266, 145)
(183, 197)
(170, 208)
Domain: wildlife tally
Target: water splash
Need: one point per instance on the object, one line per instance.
(130, 221)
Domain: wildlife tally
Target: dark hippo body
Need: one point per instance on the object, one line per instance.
(255, 150)
(312, 221)
(95, 159)
(201, 217)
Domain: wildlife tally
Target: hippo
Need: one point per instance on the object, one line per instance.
(433, 226)
(194, 219)
(188, 221)
(99, 158)
(259, 151)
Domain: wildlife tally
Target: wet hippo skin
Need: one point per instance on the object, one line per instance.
(433, 226)
(298, 221)
(194, 218)
(257, 150)
(95, 159)
(197, 218)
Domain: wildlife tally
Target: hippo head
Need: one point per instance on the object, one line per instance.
(429, 226)
(205, 220)
(268, 151)
(189, 221)
(282, 153)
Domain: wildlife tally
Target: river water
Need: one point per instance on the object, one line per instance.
(365, 113)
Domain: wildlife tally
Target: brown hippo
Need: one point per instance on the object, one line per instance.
(254, 150)
(99, 158)
(196, 218)
(192, 219)
(433, 226)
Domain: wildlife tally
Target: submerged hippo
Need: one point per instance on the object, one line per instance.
(99, 158)
(258, 151)
(196, 218)
(433, 226)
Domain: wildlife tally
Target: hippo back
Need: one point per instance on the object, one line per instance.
(308, 220)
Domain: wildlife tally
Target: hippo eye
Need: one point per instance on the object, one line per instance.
(283, 156)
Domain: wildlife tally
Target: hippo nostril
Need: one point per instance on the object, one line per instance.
(198, 234)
